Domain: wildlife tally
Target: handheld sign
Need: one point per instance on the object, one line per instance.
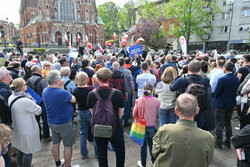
(136, 49)
(183, 44)
(34, 96)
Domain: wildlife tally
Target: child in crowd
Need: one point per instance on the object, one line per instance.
(148, 106)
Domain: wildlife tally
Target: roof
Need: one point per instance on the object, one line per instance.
(32, 21)
(21, 6)
(99, 20)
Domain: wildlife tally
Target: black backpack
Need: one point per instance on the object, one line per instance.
(199, 91)
(34, 87)
(5, 110)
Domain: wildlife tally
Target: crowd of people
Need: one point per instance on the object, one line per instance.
(193, 96)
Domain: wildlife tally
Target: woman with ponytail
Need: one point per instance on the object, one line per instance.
(147, 106)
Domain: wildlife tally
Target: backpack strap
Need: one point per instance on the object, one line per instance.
(96, 94)
(111, 94)
(36, 82)
(13, 101)
(66, 84)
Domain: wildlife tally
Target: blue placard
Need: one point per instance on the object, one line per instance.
(135, 49)
(35, 97)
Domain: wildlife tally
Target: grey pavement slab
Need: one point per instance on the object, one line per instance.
(43, 158)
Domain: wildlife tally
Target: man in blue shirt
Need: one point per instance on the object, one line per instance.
(169, 62)
(58, 103)
(69, 85)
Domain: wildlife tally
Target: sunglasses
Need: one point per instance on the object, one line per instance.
(47, 65)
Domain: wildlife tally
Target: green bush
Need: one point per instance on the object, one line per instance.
(39, 51)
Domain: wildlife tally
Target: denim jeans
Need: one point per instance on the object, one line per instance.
(148, 140)
(23, 160)
(167, 116)
(223, 116)
(84, 117)
(46, 132)
(117, 142)
(200, 120)
(127, 108)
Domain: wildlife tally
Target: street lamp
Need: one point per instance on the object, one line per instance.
(231, 19)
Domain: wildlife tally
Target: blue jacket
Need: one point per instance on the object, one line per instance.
(226, 91)
(5, 91)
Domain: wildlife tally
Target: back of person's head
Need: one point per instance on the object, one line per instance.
(148, 89)
(53, 76)
(116, 66)
(205, 58)
(103, 74)
(16, 65)
(127, 60)
(221, 58)
(169, 58)
(229, 66)
(85, 63)
(30, 57)
(220, 63)
(144, 66)
(112, 59)
(194, 66)
(121, 61)
(35, 68)
(168, 75)
(233, 60)
(65, 71)
(5, 134)
(162, 60)
(246, 58)
(17, 84)
(187, 105)
(174, 58)
(81, 78)
(204, 66)
(3, 72)
(62, 60)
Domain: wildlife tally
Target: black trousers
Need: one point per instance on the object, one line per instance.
(223, 117)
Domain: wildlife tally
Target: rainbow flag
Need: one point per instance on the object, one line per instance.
(137, 132)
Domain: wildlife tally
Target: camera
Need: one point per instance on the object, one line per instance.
(185, 69)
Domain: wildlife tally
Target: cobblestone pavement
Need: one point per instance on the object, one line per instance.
(222, 158)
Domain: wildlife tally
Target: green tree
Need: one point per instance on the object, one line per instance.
(192, 16)
(109, 12)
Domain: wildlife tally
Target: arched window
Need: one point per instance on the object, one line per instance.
(86, 14)
(67, 10)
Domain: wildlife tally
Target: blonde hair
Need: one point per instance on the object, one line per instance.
(81, 78)
(168, 75)
(17, 84)
(5, 134)
(65, 71)
(187, 104)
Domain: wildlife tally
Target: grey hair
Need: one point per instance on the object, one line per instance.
(34, 68)
(3, 72)
(187, 104)
(116, 66)
(53, 76)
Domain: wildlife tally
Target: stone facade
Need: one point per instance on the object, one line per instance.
(45, 22)
(9, 31)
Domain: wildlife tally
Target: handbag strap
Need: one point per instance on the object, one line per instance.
(143, 107)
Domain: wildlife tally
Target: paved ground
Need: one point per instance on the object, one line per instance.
(222, 158)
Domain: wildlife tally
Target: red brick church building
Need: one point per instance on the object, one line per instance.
(45, 22)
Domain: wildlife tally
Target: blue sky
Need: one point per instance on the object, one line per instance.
(10, 8)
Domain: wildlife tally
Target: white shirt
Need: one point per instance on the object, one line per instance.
(143, 79)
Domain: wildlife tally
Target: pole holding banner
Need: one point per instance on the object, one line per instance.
(183, 44)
